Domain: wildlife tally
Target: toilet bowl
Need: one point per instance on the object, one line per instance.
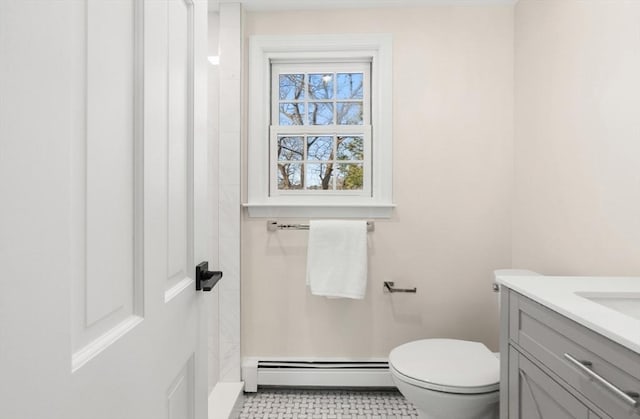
(449, 378)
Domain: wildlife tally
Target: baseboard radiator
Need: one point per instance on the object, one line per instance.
(314, 373)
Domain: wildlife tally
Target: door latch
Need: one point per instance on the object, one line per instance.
(206, 279)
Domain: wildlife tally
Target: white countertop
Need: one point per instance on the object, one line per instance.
(558, 294)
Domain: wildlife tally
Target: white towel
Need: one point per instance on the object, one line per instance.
(337, 258)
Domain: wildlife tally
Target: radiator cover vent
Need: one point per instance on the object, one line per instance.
(323, 364)
(315, 373)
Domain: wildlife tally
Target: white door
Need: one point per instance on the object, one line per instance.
(102, 209)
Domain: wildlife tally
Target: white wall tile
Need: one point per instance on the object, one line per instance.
(230, 112)
(229, 207)
(213, 338)
(229, 164)
(230, 315)
(230, 40)
(229, 255)
(229, 362)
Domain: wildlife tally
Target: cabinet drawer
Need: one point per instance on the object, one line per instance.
(552, 339)
(538, 396)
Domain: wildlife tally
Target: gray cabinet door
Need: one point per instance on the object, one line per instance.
(534, 395)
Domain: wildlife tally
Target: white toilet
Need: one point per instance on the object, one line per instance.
(449, 378)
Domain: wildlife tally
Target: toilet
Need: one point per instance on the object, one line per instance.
(449, 378)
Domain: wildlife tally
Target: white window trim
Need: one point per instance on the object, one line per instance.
(264, 49)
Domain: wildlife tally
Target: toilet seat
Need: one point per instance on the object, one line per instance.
(447, 365)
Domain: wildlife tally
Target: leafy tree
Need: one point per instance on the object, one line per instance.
(354, 177)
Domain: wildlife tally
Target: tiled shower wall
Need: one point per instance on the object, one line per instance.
(230, 46)
(212, 300)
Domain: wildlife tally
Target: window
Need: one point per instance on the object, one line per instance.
(320, 129)
(320, 126)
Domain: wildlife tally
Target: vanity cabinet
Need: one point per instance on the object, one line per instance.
(555, 368)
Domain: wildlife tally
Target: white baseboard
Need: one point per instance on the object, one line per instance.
(225, 400)
(339, 373)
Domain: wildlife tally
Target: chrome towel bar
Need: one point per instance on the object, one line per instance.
(273, 225)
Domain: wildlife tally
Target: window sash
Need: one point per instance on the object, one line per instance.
(359, 130)
(306, 68)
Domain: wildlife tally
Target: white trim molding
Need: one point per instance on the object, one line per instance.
(263, 50)
(226, 400)
(271, 5)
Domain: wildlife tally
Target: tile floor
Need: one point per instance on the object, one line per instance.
(326, 404)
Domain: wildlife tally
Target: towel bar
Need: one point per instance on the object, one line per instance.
(273, 225)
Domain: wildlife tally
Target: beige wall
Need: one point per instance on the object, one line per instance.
(577, 147)
(453, 131)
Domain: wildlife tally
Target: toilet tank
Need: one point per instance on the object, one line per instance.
(514, 272)
(509, 272)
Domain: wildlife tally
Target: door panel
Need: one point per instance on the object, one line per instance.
(110, 139)
(180, 146)
(107, 221)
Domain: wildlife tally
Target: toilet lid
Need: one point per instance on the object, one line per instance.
(449, 365)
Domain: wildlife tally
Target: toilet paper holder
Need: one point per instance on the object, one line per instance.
(388, 287)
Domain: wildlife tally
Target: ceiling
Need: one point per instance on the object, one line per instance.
(264, 5)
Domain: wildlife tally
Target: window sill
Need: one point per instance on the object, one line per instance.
(320, 210)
